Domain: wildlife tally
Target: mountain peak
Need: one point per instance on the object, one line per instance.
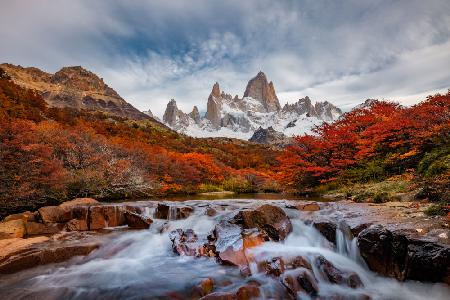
(216, 90)
(260, 89)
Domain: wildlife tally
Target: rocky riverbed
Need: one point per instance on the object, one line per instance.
(225, 249)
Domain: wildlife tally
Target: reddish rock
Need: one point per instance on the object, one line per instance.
(34, 256)
(334, 275)
(274, 267)
(137, 221)
(260, 89)
(308, 207)
(268, 218)
(78, 201)
(210, 212)
(35, 228)
(12, 229)
(166, 212)
(25, 216)
(301, 281)
(299, 262)
(55, 214)
(76, 225)
(106, 216)
(220, 296)
(186, 243)
(203, 288)
(248, 291)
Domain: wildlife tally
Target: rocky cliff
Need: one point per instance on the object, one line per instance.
(74, 87)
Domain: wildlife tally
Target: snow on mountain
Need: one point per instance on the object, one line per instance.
(236, 117)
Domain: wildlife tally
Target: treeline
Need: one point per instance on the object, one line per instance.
(52, 154)
(373, 142)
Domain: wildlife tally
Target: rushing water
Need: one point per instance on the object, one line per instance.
(141, 265)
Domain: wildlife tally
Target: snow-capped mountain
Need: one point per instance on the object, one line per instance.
(229, 116)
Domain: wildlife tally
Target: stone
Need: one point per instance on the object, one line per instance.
(35, 228)
(55, 214)
(78, 201)
(167, 212)
(395, 254)
(210, 212)
(12, 229)
(299, 262)
(334, 275)
(308, 207)
(186, 243)
(203, 288)
(106, 216)
(273, 267)
(248, 291)
(301, 281)
(76, 225)
(269, 136)
(137, 221)
(268, 218)
(327, 229)
(25, 216)
(220, 296)
(35, 256)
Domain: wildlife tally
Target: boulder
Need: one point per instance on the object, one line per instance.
(166, 212)
(25, 216)
(203, 288)
(35, 228)
(55, 214)
(273, 267)
(12, 229)
(327, 229)
(210, 212)
(334, 275)
(231, 243)
(220, 296)
(103, 216)
(309, 207)
(298, 262)
(34, 256)
(78, 201)
(248, 291)
(301, 281)
(137, 221)
(268, 218)
(186, 243)
(397, 254)
(76, 225)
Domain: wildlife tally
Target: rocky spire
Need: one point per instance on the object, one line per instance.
(260, 89)
(216, 90)
(170, 115)
(195, 115)
(214, 106)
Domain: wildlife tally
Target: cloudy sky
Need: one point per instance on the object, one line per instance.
(151, 51)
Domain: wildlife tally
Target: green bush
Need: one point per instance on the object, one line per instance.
(372, 170)
(435, 162)
(440, 209)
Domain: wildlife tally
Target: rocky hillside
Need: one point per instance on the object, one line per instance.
(259, 109)
(74, 87)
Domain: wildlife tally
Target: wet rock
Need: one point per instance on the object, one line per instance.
(268, 218)
(308, 207)
(12, 229)
(203, 288)
(34, 256)
(327, 229)
(229, 243)
(299, 262)
(248, 291)
(106, 216)
(397, 255)
(220, 296)
(210, 212)
(307, 282)
(137, 221)
(166, 212)
(186, 243)
(334, 275)
(55, 214)
(273, 267)
(76, 225)
(35, 228)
